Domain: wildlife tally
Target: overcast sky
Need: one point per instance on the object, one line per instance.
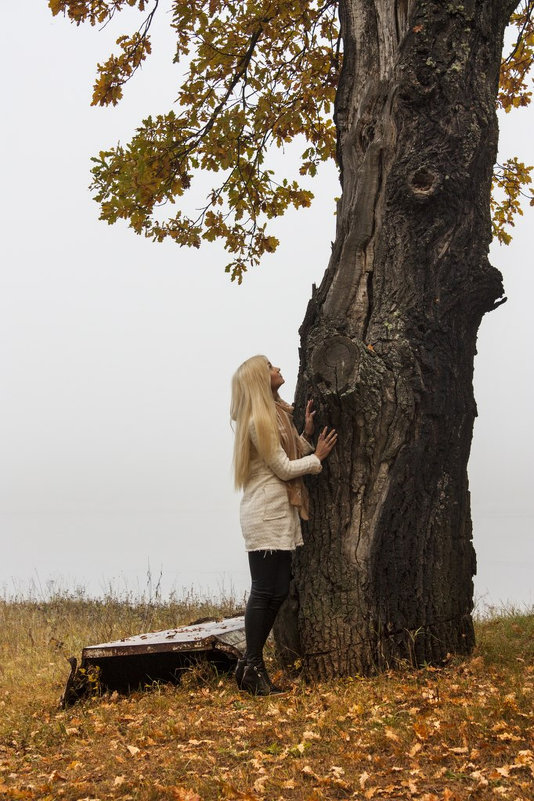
(116, 353)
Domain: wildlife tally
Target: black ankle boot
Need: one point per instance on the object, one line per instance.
(274, 689)
(255, 681)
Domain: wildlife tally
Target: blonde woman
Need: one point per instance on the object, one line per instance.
(270, 458)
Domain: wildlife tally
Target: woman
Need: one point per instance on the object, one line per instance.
(270, 458)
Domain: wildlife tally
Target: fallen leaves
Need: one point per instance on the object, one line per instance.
(432, 735)
(182, 794)
(422, 731)
(414, 750)
(231, 792)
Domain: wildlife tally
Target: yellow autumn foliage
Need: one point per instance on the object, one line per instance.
(259, 74)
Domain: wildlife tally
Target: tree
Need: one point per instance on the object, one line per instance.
(389, 337)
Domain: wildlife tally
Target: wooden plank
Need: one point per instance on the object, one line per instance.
(229, 632)
(141, 659)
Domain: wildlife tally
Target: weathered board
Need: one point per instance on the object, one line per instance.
(143, 659)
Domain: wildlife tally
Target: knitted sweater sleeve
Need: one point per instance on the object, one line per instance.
(307, 447)
(286, 468)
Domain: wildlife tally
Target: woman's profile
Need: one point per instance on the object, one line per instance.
(270, 458)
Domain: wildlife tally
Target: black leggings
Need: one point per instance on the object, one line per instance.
(271, 573)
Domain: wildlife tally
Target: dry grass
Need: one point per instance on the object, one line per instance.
(461, 732)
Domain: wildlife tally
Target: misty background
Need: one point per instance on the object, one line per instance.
(116, 353)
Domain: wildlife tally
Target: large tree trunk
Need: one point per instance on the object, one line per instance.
(389, 340)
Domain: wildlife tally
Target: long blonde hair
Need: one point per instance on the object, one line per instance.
(252, 400)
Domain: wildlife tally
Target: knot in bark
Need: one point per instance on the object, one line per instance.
(423, 183)
(335, 360)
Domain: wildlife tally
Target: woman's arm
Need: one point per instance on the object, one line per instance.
(286, 468)
(307, 446)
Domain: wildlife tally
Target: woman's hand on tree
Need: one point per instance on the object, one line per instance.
(309, 426)
(325, 443)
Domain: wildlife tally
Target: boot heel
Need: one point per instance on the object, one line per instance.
(255, 681)
(239, 670)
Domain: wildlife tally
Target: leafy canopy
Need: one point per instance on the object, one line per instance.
(511, 179)
(259, 74)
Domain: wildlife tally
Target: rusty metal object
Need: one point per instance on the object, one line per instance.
(143, 659)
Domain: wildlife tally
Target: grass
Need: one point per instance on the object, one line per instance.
(452, 734)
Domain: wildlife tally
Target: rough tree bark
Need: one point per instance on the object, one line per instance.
(389, 339)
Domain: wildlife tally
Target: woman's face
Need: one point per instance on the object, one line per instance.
(276, 378)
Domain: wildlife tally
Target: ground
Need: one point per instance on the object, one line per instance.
(464, 731)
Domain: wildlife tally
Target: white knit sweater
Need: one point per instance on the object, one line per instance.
(268, 521)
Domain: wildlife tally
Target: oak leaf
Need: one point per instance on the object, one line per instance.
(370, 792)
(421, 730)
(56, 776)
(229, 791)
(182, 794)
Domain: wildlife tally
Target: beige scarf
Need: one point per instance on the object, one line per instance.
(290, 441)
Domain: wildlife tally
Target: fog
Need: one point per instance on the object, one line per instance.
(116, 353)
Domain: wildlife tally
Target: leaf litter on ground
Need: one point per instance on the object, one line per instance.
(464, 731)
